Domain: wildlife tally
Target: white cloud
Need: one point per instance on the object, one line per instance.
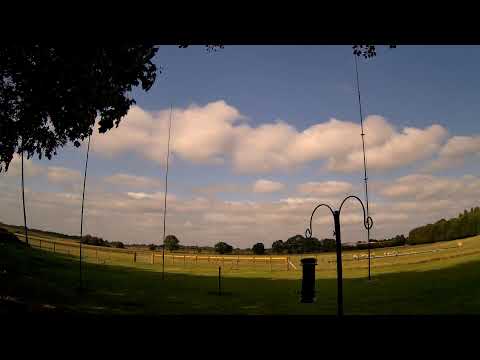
(267, 186)
(151, 196)
(399, 150)
(133, 181)
(30, 168)
(454, 152)
(137, 216)
(460, 146)
(218, 133)
(325, 188)
(427, 187)
(62, 175)
(199, 134)
(220, 188)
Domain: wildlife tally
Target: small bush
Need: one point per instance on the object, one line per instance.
(8, 237)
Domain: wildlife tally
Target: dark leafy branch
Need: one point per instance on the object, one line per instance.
(52, 95)
(367, 51)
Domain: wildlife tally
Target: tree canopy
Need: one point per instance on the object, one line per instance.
(171, 243)
(52, 95)
(367, 51)
(465, 225)
(223, 248)
(258, 249)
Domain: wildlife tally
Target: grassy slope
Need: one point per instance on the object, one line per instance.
(36, 277)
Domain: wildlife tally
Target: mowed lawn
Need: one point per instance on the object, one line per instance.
(444, 282)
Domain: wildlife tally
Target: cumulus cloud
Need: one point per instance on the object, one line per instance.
(62, 175)
(398, 150)
(220, 188)
(217, 133)
(267, 186)
(427, 187)
(30, 168)
(151, 196)
(325, 188)
(199, 134)
(454, 152)
(137, 216)
(133, 181)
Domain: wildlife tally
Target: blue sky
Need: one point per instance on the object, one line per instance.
(302, 86)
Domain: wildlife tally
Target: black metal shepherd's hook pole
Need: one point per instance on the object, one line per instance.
(367, 222)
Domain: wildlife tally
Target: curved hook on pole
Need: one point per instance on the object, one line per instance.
(367, 220)
(308, 232)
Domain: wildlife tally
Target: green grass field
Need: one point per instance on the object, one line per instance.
(440, 278)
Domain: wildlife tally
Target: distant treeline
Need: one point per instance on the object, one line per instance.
(299, 244)
(98, 241)
(15, 228)
(465, 225)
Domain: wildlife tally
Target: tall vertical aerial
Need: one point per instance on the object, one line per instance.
(23, 201)
(166, 190)
(81, 216)
(364, 161)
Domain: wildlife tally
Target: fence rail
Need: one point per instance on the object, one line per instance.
(102, 254)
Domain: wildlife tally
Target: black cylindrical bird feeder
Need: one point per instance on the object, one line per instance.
(308, 280)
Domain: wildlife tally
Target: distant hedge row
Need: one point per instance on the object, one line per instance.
(465, 225)
(98, 241)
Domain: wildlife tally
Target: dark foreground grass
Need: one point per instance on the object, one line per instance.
(34, 280)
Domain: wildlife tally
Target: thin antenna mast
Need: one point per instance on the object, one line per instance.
(364, 161)
(81, 217)
(23, 200)
(166, 190)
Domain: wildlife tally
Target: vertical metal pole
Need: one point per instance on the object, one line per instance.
(338, 241)
(23, 200)
(166, 191)
(81, 217)
(219, 280)
(364, 161)
(369, 277)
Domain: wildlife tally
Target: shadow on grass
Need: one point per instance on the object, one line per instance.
(37, 281)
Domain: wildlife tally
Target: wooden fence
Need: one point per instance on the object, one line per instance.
(103, 254)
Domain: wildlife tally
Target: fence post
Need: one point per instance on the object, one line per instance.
(288, 264)
(223, 261)
(183, 260)
(270, 262)
(196, 259)
(134, 257)
(40, 243)
(208, 258)
(53, 247)
(238, 259)
(219, 280)
(153, 258)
